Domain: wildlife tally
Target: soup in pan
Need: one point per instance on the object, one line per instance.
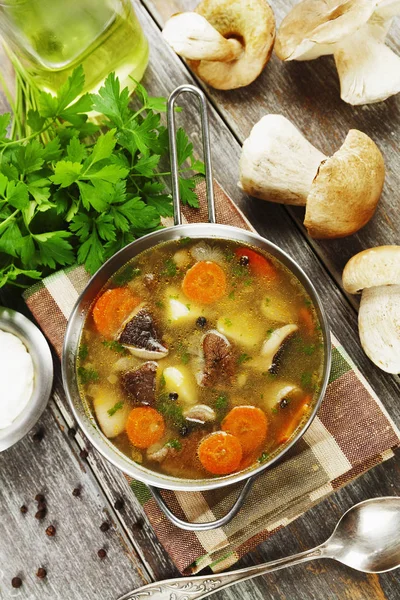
(201, 358)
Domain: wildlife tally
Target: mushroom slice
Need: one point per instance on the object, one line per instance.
(277, 163)
(379, 326)
(141, 338)
(229, 45)
(346, 190)
(369, 71)
(272, 348)
(378, 266)
(140, 384)
(279, 390)
(313, 27)
(218, 359)
(158, 452)
(200, 413)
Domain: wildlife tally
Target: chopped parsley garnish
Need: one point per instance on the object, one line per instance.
(183, 353)
(270, 331)
(231, 296)
(175, 444)
(229, 256)
(248, 282)
(263, 457)
(306, 379)
(87, 375)
(267, 301)
(307, 302)
(239, 270)
(117, 406)
(309, 349)
(228, 322)
(170, 268)
(116, 346)
(171, 411)
(185, 241)
(162, 381)
(274, 411)
(243, 358)
(83, 351)
(126, 275)
(159, 304)
(221, 402)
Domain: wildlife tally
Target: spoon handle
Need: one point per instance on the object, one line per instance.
(194, 588)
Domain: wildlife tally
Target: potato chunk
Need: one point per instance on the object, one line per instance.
(180, 380)
(105, 400)
(243, 329)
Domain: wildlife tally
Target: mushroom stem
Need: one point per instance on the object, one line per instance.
(277, 163)
(369, 71)
(379, 326)
(192, 37)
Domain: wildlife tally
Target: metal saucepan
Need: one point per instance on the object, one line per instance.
(211, 230)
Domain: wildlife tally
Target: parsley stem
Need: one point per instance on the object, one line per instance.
(10, 218)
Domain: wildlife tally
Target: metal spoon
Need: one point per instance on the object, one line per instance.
(367, 538)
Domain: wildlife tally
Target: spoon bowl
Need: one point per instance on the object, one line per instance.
(367, 537)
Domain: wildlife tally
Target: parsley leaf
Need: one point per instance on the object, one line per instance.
(117, 406)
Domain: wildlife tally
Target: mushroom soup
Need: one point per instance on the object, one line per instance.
(201, 358)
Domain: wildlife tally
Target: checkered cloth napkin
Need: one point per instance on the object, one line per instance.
(351, 434)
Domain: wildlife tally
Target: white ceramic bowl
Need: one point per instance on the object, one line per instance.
(35, 342)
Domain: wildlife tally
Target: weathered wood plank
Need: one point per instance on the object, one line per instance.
(308, 94)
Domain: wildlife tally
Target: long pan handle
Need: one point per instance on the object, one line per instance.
(174, 154)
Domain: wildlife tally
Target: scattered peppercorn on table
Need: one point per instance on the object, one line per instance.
(70, 527)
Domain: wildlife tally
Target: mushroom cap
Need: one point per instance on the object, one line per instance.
(252, 22)
(379, 326)
(277, 163)
(346, 189)
(313, 27)
(372, 267)
(369, 71)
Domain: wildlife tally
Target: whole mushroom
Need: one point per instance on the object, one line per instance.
(376, 273)
(354, 31)
(340, 192)
(226, 43)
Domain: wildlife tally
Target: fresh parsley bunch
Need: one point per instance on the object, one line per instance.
(76, 192)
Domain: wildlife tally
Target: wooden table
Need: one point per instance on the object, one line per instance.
(308, 94)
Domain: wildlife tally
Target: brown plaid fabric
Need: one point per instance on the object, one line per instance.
(351, 434)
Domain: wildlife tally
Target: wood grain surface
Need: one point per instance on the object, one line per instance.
(308, 94)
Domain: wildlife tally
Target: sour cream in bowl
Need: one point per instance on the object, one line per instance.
(26, 376)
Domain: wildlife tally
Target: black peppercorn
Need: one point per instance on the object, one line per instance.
(76, 492)
(40, 498)
(284, 403)
(184, 430)
(104, 527)
(101, 553)
(24, 509)
(84, 454)
(51, 531)
(38, 436)
(173, 396)
(71, 432)
(40, 514)
(119, 504)
(16, 582)
(244, 261)
(41, 573)
(201, 322)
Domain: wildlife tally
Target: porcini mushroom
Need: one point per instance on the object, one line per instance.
(376, 273)
(354, 31)
(346, 189)
(273, 346)
(340, 193)
(227, 44)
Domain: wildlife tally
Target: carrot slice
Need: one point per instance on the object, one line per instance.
(249, 424)
(145, 426)
(112, 308)
(205, 282)
(307, 318)
(295, 420)
(220, 453)
(259, 265)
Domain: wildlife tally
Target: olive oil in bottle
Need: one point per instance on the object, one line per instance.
(52, 37)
